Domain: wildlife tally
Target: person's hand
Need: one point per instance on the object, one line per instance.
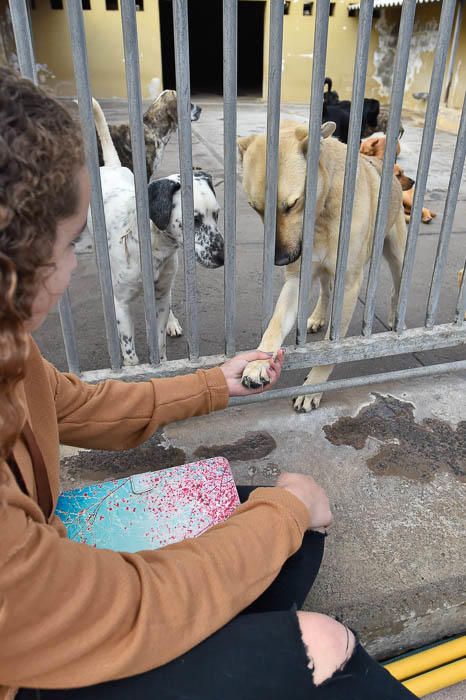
(312, 495)
(233, 371)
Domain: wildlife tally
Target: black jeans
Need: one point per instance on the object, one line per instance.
(257, 656)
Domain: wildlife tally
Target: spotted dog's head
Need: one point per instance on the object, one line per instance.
(165, 212)
(164, 111)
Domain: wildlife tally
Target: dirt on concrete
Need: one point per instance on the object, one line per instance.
(254, 445)
(409, 449)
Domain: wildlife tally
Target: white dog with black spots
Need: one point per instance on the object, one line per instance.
(167, 237)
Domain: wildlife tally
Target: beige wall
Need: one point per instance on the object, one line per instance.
(298, 42)
(105, 51)
(422, 55)
(104, 46)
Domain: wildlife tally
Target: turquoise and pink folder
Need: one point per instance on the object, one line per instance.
(150, 510)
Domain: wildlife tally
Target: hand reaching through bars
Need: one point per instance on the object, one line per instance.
(233, 370)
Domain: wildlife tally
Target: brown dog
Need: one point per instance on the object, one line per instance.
(407, 185)
(375, 146)
(290, 206)
(160, 121)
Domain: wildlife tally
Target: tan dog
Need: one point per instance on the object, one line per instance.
(407, 185)
(375, 146)
(290, 205)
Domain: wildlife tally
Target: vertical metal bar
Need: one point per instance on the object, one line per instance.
(435, 90)
(23, 39)
(68, 332)
(81, 71)
(230, 42)
(180, 21)
(396, 104)
(461, 302)
(24, 46)
(313, 149)
(273, 129)
(354, 137)
(138, 147)
(453, 50)
(447, 222)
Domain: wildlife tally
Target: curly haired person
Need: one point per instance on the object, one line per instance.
(216, 617)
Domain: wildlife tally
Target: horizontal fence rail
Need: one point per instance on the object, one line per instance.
(336, 348)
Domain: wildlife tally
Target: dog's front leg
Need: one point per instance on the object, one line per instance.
(174, 328)
(163, 310)
(126, 332)
(317, 375)
(318, 317)
(284, 316)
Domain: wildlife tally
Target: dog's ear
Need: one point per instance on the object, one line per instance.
(301, 132)
(161, 201)
(327, 129)
(243, 144)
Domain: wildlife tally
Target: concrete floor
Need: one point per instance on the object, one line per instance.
(456, 692)
(394, 467)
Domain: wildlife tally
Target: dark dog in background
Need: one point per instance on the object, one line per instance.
(338, 111)
(374, 117)
(160, 122)
(330, 96)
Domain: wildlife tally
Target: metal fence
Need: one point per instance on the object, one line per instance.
(302, 354)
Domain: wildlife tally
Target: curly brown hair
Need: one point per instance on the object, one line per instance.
(40, 155)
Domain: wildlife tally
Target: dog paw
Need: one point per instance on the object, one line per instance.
(130, 360)
(304, 404)
(255, 374)
(173, 327)
(314, 323)
(391, 323)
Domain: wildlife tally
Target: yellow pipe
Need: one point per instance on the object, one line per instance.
(437, 679)
(416, 664)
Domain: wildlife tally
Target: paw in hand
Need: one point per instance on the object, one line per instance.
(255, 374)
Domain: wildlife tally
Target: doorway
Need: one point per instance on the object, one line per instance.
(206, 47)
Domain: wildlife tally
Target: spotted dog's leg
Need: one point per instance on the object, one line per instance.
(174, 328)
(126, 332)
(163, 288)
(163, 310)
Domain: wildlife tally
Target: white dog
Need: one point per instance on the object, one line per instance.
(167, 236)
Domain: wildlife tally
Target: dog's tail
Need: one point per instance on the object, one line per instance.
(109, 151)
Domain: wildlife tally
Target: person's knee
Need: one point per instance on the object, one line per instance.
(328, 643)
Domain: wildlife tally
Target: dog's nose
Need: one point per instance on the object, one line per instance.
(281, 257)
(285, 257)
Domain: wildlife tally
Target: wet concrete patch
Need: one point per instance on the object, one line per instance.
(254, 445)
(415, 451)
(99, 465)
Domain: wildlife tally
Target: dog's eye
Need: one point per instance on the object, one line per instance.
(289, 207)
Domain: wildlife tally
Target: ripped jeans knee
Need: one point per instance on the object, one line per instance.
(329, 644)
